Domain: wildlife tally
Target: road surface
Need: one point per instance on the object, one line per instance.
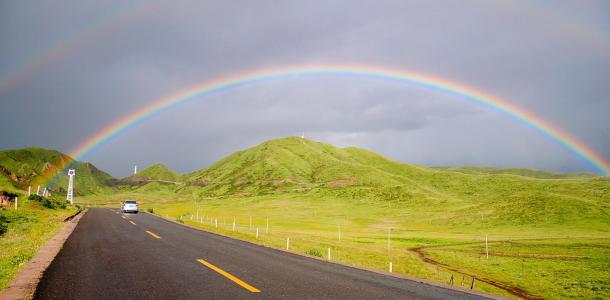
(111, 255)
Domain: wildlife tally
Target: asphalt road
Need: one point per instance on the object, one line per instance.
(115, 256)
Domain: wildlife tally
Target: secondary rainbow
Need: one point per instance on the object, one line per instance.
(372, 72)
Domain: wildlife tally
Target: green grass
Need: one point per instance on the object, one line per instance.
(29, 228)
(308, 189)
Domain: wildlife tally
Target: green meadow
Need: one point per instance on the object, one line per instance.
(548, 234)
(28, 228)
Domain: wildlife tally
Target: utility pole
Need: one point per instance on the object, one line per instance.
(135, 169)
(70, 195)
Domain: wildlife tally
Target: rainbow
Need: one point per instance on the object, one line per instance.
(360, 71)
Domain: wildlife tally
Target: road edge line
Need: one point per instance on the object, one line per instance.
(380, 272)
(25, 282)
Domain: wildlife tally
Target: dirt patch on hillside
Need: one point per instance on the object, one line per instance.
(341, 182)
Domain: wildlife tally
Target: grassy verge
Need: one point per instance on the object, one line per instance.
(29, 228)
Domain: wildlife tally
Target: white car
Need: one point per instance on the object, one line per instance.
(129, 206)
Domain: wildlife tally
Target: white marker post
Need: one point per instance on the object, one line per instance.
(329, 253)
(390, 267)
(257, 233)
(38, 191)
(287, 243)
(216, 222)
(233, 223)
(29, 190)
(250, 222)
(339, 226)
(16, 200)
(486, 249)
(267, 230)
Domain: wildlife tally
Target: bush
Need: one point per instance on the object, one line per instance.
(314, 252)
(35, 197)
(3, 225)
(151, 210)
(47, 203)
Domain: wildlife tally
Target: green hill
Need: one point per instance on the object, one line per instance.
(35, 166)
(158, 173)
(464, 196)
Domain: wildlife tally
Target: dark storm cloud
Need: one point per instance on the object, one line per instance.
(554, 64)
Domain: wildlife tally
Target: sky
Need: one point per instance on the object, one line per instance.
(70, 68)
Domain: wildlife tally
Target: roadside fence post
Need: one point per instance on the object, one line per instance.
(329, 253)
(257, 233)
(267, 230)
(287, 243)
(233, 223)
(339, 226)
(16, 200)
(472, 284)
(486, 249)
(250, 222)
(390, 267)
(216, 222)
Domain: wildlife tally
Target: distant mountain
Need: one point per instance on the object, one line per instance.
(36, 166)
(519, 172)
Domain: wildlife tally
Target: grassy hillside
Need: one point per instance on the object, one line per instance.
(35, 166)
(519, 172)
(156, 172)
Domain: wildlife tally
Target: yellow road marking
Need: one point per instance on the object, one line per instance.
(132, 222)
(231, 277)
(151, 233)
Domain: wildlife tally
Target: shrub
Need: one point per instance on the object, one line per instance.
(314, 252)
(47, 203)
(151, 210)
(3, 225)
(35, 197)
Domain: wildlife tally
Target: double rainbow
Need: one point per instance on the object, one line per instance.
(371, 72)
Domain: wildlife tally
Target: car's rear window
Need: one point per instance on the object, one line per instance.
(130, 202)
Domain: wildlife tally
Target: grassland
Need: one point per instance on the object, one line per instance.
(549, 234)
(541, 259)
(29, 227)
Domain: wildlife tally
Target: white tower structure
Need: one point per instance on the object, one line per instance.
(70, 196)
(135, 170)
